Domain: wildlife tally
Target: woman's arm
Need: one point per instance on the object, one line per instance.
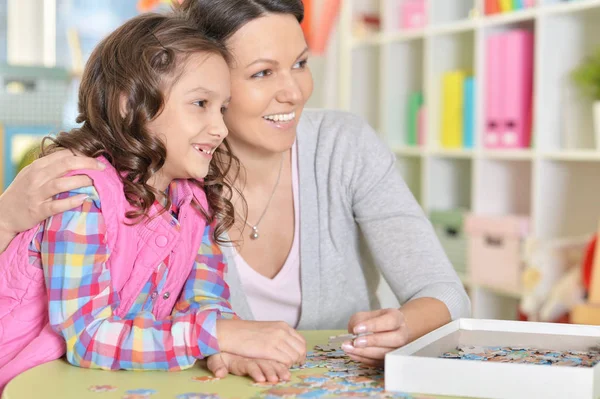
(405, 249)
(29, 198)
(82, 302)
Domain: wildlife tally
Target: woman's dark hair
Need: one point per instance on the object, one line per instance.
(220, 19)
(141, 61)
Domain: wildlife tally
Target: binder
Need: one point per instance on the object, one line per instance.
(469, 113)
(517, 4)
(415, 101)
(492, 95)
(517, 56)
(452, 105)
(505, 5)
(492, 7)
(422, 125)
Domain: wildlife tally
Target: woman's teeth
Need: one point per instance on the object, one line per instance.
(281, 117)
(209, 152)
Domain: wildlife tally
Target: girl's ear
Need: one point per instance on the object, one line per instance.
(123, 108)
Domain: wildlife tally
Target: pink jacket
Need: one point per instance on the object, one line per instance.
(26, 339)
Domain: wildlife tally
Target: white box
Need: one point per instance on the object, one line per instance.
(417, 367)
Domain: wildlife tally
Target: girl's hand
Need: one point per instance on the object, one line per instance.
(260, 370)
(28, 200)
(389, 332)
(262, 340)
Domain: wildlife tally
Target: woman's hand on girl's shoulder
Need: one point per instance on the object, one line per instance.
(260, 370)
(29, 199)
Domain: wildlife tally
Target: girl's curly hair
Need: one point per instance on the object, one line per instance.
(141, 60)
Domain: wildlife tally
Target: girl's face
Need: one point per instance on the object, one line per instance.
(191, 124)
(270, 81)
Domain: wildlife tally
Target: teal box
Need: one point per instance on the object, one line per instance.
(449, 227)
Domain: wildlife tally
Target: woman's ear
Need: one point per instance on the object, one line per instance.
(123, 107)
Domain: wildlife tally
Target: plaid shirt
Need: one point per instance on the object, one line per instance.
(71, 248)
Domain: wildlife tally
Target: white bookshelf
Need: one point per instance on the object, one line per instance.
(556, 182)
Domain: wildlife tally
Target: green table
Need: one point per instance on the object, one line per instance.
(58, 379)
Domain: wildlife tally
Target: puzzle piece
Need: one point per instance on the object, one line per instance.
(339, 339)
(102, 388)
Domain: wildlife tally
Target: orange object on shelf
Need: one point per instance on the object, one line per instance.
(307, 21)
(492, 7)
(320, 37)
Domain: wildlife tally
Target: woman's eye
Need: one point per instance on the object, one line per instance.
(262, 74)
(223, 110)
(300, 64)
(200, 103)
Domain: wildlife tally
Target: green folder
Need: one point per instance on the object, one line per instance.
(415, 101)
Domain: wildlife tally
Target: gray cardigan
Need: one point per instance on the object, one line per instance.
(357, 219)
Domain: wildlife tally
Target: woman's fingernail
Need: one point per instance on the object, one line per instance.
(347, 347)
(361, 328)
(360, 342)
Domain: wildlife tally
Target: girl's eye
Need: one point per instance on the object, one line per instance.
(223, 109)
(200, 103)
(301, 64)
(262, 74)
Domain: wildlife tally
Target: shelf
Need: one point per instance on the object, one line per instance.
(556, 182)
(574, 6)
(410, 169)
(503, 187)
(409, 151)
(522, 155)
(371, 40)
(459, 153)
(574, 156)
(509, 17)
(449, 186)
(402, 36)
(567, 199)
(452, 27)
(564, 118)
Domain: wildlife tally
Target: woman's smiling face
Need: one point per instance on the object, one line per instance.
(270, 83)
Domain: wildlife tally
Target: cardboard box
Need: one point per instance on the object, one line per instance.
(417, 367)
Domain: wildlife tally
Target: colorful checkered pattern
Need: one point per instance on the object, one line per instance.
(82, 302)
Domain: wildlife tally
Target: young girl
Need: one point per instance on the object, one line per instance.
(133, 278)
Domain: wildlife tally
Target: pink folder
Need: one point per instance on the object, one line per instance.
(517, 77)
(493, 86)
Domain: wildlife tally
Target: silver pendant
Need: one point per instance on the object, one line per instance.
(254, 235)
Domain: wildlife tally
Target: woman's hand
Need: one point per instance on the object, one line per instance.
(389, 332)
(28, 200)
(262, 340)
(260, 370)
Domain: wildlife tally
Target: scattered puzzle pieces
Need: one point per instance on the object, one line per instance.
(344, 378)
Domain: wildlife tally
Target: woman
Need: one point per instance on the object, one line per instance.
(325, 210)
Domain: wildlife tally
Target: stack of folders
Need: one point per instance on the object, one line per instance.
(499, 6)
(458, 110)
(508, 89)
